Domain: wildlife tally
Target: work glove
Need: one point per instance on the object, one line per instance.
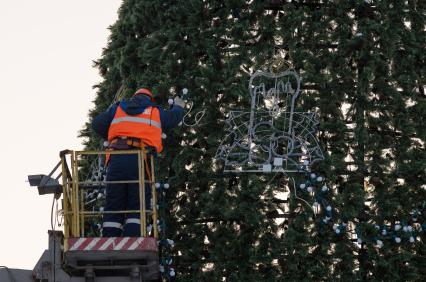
(179, 102)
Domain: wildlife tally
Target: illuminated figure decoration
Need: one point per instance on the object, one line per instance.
(272, 136)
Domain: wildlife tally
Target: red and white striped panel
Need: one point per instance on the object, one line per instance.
(112, 244)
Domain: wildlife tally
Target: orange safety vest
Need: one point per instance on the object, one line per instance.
(145, 126)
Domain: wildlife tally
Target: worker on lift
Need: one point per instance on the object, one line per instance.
(131, 124)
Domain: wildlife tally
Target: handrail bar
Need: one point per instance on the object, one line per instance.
(115, 152)
(109, 182)
(109, 212)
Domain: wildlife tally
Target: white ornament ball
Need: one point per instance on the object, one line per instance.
(313, 175)
(305, 162)
(397, 227)
(171, 242)
(384, 232)
(157, 185)
(101, 209)
(379, 244)
(405, 229)
(319, 179)
(163, 135)
(106, 143)
(335, 226)
(185, 91)
(412, 239)
(337, 231)
(409, 228)
(302, 186)
(324, 188)
(161, 268)
(328, 208)
(310, 189)
(398, 240)
(170, 101)
(172, 272)
(166, 185)
(359, 241)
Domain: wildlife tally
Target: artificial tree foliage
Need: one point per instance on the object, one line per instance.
(361, 64)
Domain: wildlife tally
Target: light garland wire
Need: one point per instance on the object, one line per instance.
(197, 117)
(297, 197)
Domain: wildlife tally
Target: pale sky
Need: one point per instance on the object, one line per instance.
(46, 78)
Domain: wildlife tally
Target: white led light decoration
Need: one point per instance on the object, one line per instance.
(272, 130)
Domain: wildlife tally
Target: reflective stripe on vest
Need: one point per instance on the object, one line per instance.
(145, 126)
(136, 119)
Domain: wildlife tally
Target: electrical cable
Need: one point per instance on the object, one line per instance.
(295, 191)
(297, 197)
(52, 224)
(197, 117)
(118, 95)
(59, 219)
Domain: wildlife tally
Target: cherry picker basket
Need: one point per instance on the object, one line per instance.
(107, 255)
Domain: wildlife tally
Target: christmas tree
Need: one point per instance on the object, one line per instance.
(361, 64)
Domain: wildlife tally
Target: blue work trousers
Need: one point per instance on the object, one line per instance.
(123, 196)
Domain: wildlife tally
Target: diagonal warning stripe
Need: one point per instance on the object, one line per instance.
(136, 244)
(120, 245)
(107, 243)
(92, 244)
(77, 244)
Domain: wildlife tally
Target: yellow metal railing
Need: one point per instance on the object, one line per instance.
(73, 192)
